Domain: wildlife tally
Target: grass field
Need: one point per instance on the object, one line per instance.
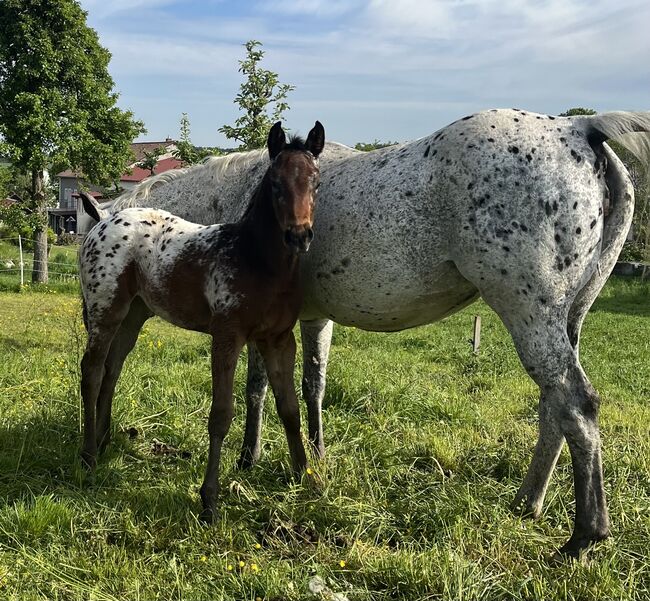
(427, 445)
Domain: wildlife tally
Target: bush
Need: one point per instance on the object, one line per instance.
(66, 239)
(633, 251)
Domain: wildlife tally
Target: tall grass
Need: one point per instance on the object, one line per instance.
(427, 444)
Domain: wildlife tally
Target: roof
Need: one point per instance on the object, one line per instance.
(163, 165)
(139, 149)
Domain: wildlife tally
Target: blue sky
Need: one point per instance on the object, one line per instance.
(374, 69)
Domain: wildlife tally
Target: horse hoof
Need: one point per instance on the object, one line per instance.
(523, 508)
(246, 461)
(88, 461)
(207, 516)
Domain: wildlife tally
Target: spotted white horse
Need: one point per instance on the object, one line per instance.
(528, 211)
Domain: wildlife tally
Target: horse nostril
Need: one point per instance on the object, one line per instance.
(310, 234)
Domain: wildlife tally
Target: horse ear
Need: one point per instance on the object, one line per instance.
(276, 141)
(316, 139)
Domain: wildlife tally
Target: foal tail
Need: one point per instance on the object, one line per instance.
(92, 207)
(632, 131)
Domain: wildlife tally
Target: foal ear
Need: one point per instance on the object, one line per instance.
(276, 141)
(316, 139)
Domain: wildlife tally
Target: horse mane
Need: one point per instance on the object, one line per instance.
(214, 166)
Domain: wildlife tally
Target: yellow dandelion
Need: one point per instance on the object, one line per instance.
(342, 563)
(159, 344)
(254, 567)
(204, 558)
(258, 546)
(241, 564)
(310, 471)
(229, 567)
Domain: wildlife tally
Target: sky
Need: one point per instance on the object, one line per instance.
(373, 69)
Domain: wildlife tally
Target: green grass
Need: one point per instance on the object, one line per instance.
(427, 445)
(62, 266)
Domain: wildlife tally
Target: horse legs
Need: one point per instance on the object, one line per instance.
(100, 337)
(256, 385)
(316, 341)
(279, 357)
(122, 345)
(568, 409)
(225, 352)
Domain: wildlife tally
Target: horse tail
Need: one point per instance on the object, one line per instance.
(91, 207)
(631, 130)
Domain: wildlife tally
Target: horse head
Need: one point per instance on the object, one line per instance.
(295, 177)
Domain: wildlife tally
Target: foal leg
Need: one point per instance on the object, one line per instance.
(122, 345)
(225, 352)
(256, 385)
(316, 341)
(280, 358)
(100, 337)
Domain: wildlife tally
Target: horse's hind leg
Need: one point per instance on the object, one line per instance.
(256, 385)
(121, 346)
(316, 341)
(279, 357)
(568, 408)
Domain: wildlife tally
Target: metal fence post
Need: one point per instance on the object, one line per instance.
(20, 250)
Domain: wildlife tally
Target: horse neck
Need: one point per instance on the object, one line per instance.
(263, 231)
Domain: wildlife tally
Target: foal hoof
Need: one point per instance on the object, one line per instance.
(522, 507)
(577, 547)
(88, 461)
(246, 460)
(208, 516)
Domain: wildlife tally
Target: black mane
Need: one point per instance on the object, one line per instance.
(295, 143)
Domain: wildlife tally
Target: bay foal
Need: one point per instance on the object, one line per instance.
(238, 282)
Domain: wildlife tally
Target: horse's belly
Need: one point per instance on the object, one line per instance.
(384, 301)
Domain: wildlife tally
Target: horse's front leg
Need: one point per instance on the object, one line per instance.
(225, 351)
(256, 385)
(316, 342)
(280, 357)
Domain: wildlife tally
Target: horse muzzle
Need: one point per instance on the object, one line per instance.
(298, 239)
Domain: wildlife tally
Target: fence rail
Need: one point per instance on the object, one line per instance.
(18, 264)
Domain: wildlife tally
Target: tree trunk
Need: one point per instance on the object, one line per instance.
(39, 273)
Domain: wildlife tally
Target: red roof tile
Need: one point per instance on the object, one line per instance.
(163, 165)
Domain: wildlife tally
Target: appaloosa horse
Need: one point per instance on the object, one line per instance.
(528, 211)
(238, 282)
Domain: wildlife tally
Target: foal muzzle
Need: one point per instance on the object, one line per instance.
(298, 239)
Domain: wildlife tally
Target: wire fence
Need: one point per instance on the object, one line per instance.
(20, 263)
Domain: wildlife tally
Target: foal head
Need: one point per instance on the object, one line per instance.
(294, 177)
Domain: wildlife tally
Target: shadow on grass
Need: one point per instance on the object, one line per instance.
(627, 296)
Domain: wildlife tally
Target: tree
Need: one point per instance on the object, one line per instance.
(186, 151)
(150, 159)
(57, 104)
(375, 145)
(577, 111)
(260, 90)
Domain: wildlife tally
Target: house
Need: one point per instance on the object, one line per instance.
(69, 215)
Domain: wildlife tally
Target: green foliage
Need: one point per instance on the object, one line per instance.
(186, 151)
(150, 159)
(257, 94)
(578, 111)
(375, 145)
(427, 444)
(57, 103)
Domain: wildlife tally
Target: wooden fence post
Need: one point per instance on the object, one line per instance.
(20, 251)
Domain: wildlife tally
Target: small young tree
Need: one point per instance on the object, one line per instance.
(185, 150)
(261, 89)
(57, 104)
(374, 145)
(150, 160)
